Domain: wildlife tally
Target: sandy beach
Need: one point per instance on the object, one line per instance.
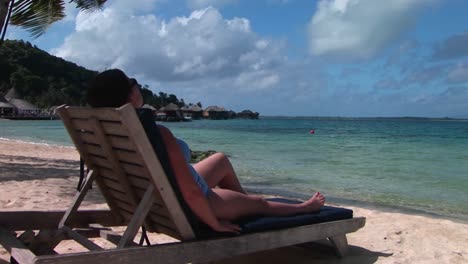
(34, 176)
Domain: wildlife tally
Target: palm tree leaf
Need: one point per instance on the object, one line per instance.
(89, 5)
(37, 15)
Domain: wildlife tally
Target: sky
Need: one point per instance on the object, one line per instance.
(348, 58)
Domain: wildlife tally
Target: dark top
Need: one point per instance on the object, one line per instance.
(200, 229)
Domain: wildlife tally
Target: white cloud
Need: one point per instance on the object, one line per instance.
(202, 45)
(196, 4)
(358, 29)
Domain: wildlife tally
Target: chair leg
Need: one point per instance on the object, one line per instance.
(340, 243)
(138, 217)
(79, 196)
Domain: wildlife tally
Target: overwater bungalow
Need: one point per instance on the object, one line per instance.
(194, 111)
(247, 114)
(216, 112)
(187, 114)
(173, 112)
(231, 114)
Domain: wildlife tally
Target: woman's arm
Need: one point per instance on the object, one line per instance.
(191, 192)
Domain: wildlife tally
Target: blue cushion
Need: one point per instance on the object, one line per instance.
(326, 214)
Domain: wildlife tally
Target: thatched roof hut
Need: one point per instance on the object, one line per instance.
(196, 112)
(173, 112)
(171, 107)
(196, 108)
(216, 112)
(248, 114)
(24, 107)
(23, 104)
(215, 108)
(232, 114)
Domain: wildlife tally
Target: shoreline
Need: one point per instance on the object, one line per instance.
(459, 217)
(41, 177)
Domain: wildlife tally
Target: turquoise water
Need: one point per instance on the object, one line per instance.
(413, 164)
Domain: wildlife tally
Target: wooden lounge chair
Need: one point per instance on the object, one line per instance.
(124, 165)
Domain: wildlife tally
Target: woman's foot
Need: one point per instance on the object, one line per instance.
(315, 202)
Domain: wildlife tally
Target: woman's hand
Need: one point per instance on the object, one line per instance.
(226, 226)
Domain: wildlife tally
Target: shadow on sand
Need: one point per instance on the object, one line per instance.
(313, 252)
(20, 168)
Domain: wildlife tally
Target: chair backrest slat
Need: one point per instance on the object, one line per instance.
(113, 143)
(112, 160)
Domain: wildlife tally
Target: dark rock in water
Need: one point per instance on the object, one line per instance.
(199, 155)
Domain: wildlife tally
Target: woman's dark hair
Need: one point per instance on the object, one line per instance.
(110, 88)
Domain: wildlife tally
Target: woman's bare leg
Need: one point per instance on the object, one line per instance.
(217, 170)
(230, 205)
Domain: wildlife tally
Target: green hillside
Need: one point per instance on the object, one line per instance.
(46, 80)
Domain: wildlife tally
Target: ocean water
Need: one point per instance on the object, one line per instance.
(409, 164)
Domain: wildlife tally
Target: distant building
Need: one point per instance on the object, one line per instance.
(247, 114)
(173, 112)
(21, 107)
(231, 114)
(194, 111)
(216, 112)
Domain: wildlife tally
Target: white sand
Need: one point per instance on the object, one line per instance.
(44, 177)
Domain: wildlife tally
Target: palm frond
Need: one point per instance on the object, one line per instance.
(89, 5)
(37, 15)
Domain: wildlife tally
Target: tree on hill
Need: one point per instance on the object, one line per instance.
(46, 80)
(41, 78)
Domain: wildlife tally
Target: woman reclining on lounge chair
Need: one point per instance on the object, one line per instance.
(216, 207)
